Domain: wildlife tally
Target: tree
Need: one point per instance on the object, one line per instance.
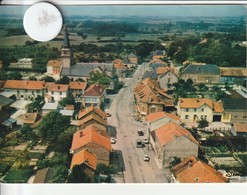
(32, 78)
(79, 80)
(36, 105)
(97, 77)
(60, 174)
(203, 123)
(14, 76)
(106, 170)
(68, 100)
(52, 125)
(64, 80)
(26, 132)
(78, 175)
(48, 79)
(181, 56)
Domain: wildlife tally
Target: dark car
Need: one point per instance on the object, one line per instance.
(140, 132)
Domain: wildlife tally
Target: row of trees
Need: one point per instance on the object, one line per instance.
(211, 48)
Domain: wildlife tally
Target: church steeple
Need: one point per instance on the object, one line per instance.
(66, 43)
(65, 51)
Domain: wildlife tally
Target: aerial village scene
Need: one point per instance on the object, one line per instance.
(125, 94)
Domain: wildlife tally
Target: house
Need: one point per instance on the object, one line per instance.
(231, 75)
(93, 119)
(192, 170)
(208, 73)
(49, 107)
(159, 54)
(149, 98)
(157, 120)
(94, 95)
(5, 121)
(25, 89)
(94, 141)
(54, 67)
(166, 77)
(191, 110)
(24, 63)
(172, 140)
(77, 90)
(44, 175)
(91, 110)
(86, 159)
(29, 118)
(239, 130)
(133, 58)
(235, 109)
(83, 70)
(57, 92)
(120, 69)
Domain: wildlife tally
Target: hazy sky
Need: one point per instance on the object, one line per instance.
(141, 10)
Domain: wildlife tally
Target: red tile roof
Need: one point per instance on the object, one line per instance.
(54, 63)
(90, 135)
(218, 107)
(92, 117)
(26, 85)
(78, 85)
(30, 118)
(240, 128)
(158, 115)
(91, 109)
(195, 102)
(163, 70)
(171, 131)
(192, 170)
(85, 157)
(94, 90)
(70, 107)
(58, 87)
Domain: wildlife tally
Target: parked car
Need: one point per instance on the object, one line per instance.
(140, 132)
(145, 157)
(113, 140)
(139, 143)
(145, 140)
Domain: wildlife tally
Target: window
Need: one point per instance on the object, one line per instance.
(194, 109)
(244, 116)
(235, 116)
(187, 109)
(152, 109)
(52, 92)
(60, 93)
(205, 117)
(202, 109)
(32, 92)
(186, 116)
(94, 99)
(26, 90)
(169, 80)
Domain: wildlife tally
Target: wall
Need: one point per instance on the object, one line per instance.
(163, 79)
(198, 78)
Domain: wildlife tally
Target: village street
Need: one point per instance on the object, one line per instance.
(135, 169)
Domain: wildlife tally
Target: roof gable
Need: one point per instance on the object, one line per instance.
(172, 131)
(86, 157)
(159, 115)
(94, 90)
(90, 135)
(192, 170)
(92, 117)
(91, 109)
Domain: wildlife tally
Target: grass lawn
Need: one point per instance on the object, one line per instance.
(18, 176)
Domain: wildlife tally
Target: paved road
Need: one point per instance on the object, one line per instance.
(135, 169)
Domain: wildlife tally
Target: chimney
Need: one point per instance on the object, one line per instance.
(58, 87)
(26, 116)
(197, 100)
(190, 164)
(81, 133)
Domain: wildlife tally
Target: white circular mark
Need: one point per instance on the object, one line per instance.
(42, 21)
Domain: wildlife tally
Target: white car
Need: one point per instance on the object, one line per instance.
(145, 140)
(113, 140)
(145, 157)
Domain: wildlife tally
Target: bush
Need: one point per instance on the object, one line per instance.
(18, 176)
(35, 155)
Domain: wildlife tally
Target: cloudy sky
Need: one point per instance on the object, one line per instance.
(141, 10)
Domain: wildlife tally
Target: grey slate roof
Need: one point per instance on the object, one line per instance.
(234, 104)
(84, 69)
(4, 101)
(156, 65)
(202, 69)
(150, 74)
